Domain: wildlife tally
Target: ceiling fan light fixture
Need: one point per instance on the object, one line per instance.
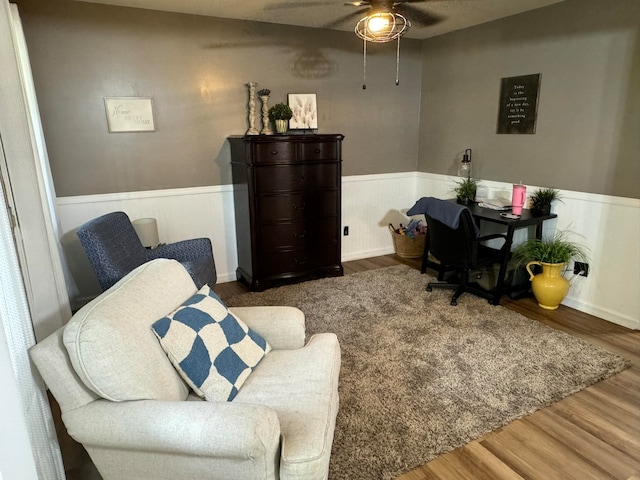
(382, 27)
(378, 23)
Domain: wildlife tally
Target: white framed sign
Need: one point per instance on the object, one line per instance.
(129, 114)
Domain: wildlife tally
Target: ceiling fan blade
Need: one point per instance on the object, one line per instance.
(358, 4)
(417, 17)
(350, 17)
(277, 6)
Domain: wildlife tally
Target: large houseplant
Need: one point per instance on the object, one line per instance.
(552, 253)
(280, 115)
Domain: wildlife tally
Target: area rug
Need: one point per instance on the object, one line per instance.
(420, 377)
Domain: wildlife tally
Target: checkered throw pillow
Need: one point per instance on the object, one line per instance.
(213, 351)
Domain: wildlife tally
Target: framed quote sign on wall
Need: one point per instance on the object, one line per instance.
(129, 114)
(519, 104)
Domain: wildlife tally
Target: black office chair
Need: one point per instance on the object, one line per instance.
(453, 239)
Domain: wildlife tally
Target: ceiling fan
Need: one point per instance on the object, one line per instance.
(380, 15)
(414, 16)
(383, 21)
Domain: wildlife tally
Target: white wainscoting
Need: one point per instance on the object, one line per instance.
(180, 213)
(608, 226)
(369, 204)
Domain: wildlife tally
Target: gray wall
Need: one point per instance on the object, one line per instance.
(588, 128)
(196, 68)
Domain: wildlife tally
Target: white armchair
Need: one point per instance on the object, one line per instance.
(122, 399)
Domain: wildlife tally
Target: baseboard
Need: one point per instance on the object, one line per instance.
(227, 277)
(605, 314)
(367, 254)
(607, 225)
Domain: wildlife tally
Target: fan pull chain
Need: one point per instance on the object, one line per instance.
(364, 65)
(398, 63)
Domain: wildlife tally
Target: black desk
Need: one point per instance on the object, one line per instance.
(527, 219)
(481, 214)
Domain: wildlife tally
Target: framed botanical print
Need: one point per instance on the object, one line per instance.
(305, 111)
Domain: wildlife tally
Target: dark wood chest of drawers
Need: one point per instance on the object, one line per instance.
(287, 195)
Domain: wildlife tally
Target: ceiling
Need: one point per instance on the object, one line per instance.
(455, 14)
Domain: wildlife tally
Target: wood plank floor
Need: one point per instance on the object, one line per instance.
(593, 434)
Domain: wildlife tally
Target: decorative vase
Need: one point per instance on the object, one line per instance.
(266, 126)
(252, 108)
(549, 287)
(281, 126)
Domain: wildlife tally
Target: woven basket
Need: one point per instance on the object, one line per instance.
(407, 247)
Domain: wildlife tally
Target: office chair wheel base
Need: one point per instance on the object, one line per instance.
(429, 289)
(454, 302)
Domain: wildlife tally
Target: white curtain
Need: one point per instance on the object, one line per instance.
(28, 440)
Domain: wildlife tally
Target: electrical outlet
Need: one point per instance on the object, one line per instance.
(580, 268)
(345, 232)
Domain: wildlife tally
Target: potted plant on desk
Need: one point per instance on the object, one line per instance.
(280, 115)
(552, 253)
(542, 199)
(466, 190)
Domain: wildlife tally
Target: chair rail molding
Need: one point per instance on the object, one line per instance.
(371, 202)
(608, 226)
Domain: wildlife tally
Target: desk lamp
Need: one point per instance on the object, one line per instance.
(465, 165)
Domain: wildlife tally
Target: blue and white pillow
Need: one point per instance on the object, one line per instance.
(213, 351)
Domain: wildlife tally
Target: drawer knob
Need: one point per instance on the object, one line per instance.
(297, 178)
(299, 235)
(317, 150)
(274, 152)
(299, 207)
(300, 261)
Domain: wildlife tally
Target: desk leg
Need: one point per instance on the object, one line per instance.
(539, 230)
(503, 267)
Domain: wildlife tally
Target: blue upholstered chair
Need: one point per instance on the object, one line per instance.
(114, 249)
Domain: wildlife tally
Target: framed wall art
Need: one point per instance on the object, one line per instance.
(518, 104)
(129, 114)
(305, 111)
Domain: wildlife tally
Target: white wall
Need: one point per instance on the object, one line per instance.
(369, 204)
(181, 214)
(608, 226)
